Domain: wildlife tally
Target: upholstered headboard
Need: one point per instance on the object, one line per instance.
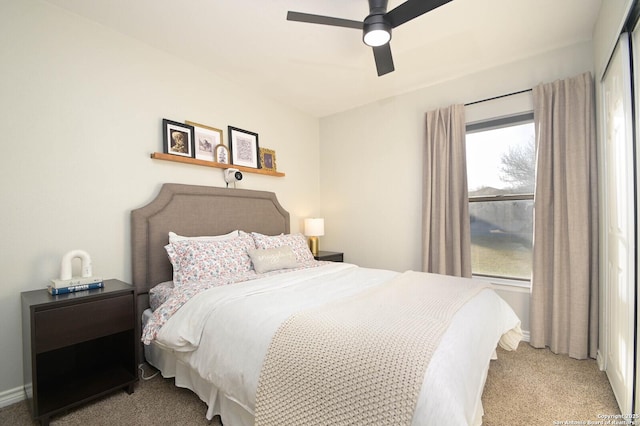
(194, 211)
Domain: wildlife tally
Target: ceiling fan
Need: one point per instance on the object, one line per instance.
(376, 26)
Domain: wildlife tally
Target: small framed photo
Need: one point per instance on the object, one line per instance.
(178, 138)
(268, 159)
(221, 154)
(243, 145)
(205, 140)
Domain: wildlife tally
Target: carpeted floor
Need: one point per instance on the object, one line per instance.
(525, 387)
(536, 387)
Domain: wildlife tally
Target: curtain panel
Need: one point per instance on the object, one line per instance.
(564, 292)
(445, 223)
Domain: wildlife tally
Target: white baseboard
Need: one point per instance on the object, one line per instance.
(526, 336)
(11, 396)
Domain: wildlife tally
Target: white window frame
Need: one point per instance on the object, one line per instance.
(497, 123)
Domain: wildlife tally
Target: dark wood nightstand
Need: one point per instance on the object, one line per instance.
(77, 346)
(331, 256)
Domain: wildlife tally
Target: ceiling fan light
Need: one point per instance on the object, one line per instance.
(376, 31)
(377, 37)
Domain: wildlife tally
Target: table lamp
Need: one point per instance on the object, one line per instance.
(313, 228)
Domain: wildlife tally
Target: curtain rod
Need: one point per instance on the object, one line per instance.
(498, 97)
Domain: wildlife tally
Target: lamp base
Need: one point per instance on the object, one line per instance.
(313, 245)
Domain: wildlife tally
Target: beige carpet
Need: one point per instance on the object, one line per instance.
(535, 387)
(526, 387)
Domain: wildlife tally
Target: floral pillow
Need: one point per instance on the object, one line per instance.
(200, 260)
(173, 238)
(297, 242)
(159, 294)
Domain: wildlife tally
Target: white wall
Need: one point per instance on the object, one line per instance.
(611, 18)
(371, 161)
(80, 112)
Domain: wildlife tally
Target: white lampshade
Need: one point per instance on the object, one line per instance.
(314, 226)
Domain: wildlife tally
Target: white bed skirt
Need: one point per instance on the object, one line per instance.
(185, 377)
(218, 404)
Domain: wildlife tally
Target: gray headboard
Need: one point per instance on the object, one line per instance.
(193, 211)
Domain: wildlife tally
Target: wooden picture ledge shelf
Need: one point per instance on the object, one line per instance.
(189, 160)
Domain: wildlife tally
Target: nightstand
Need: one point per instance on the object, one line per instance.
(77, 346)
(331, 256)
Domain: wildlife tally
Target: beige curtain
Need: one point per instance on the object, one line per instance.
(445, 223)
(564, 292)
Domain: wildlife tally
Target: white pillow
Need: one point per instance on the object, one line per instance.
(173, 237)
(265, 260)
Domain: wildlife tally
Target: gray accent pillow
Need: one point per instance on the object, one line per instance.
(272, 259)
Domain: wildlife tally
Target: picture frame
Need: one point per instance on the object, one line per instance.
(221, 154)
(244, 148)
(205, 139)
(177, 138)
(268, 159)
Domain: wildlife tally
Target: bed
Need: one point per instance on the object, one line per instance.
(255, 347)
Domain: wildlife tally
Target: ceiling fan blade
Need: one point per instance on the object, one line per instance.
(412, 9)
(384, 60)
(323, 20)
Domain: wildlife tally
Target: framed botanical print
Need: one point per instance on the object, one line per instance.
(205, 140)
(243, 145)
(178, 138)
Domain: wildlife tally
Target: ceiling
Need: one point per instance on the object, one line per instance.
(323, 70)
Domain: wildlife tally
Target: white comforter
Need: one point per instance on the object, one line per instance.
(224, 334)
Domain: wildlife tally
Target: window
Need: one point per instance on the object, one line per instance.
(501, 179)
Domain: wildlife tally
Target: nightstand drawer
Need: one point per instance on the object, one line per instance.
(76, 323)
